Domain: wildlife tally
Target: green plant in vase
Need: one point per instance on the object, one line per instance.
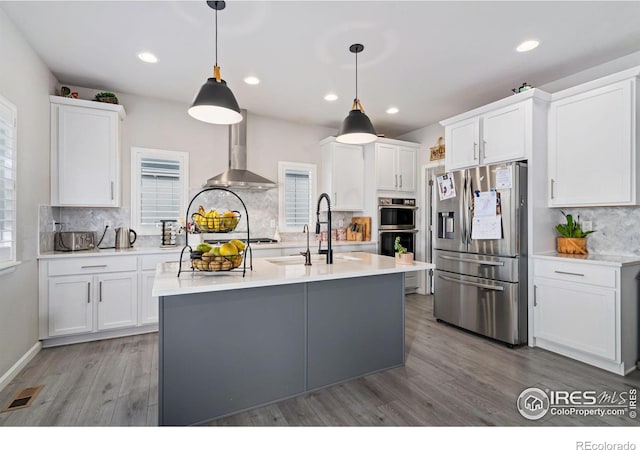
(572, 239)
(402, 255)
(106, 97)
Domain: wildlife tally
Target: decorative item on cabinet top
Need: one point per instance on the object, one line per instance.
(106, 97)
(524, 87)
(437, 151)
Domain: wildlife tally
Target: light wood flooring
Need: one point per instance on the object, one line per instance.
(451, 377)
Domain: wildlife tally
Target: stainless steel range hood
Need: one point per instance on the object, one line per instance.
(237, 176)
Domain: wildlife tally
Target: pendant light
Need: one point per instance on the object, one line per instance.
(215, 102)
(356, 128)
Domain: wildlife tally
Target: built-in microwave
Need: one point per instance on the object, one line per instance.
(396, 213)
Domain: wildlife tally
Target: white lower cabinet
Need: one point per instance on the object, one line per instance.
(587, 311)
(117, 300)
(148, 303)
(70, 305)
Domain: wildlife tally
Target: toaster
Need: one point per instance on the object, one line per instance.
(71, 241)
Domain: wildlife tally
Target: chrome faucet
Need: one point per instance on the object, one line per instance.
(307, 254)
(328, 251)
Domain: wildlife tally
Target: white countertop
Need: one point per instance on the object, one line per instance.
(290, 270)
(313, 244)
(110, 252)
(606, 260)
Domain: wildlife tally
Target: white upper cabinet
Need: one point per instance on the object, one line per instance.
(343, 175)
(592, 143)
(395, 163)
(85, 152)
(499, 132)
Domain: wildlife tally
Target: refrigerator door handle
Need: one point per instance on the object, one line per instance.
(463, 234)
(473, 261)
(471, 283)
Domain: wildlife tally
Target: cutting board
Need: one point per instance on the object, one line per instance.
(365, 223)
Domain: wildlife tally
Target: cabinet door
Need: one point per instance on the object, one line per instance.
(347, 177)
(406, 159)
(386, 173)
(86, 157)
(117, 300)
(462, 140)
(70, 305)
(504, 134)
(576, 316)
(148, 303)
(591, 156)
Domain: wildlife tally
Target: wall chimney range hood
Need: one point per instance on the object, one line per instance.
(237, 176)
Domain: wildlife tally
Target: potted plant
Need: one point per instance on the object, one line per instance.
(106, 97)
(572, 240)
(402, 255)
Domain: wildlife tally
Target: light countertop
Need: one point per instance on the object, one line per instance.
(607, 260)
(313, 244)
(277, 271)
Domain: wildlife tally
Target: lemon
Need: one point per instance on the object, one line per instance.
(238, 243)
(215, 251)
(228, 249)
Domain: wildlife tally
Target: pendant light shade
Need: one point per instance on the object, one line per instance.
(215, 103)
(356, 128)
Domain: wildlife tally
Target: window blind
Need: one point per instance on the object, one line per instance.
(8, 133)
(160, 190)
(297, 198)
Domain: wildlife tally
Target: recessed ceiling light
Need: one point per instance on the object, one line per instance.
(331, 97)
(527, 45)
(148, 57)
(392, 110)
(252, 80)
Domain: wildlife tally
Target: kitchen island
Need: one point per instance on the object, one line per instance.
(228, 343)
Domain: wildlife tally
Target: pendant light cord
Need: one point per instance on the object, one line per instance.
(356, 76)
(216, 37)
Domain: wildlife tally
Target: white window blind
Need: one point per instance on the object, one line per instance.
(297, 186)
(297, 198)
(160, 190)
(8, 148)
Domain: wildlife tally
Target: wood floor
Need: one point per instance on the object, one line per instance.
(450, 378)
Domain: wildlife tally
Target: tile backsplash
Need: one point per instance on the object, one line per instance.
(617, 229)
(262, 207)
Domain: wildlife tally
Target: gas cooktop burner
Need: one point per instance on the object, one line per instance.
(251, 241)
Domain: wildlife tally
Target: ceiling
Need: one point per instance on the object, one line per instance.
(432, 60)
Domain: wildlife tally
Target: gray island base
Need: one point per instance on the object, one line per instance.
(227, 351)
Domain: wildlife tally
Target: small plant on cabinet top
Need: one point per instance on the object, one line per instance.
(571, 229)
(106, 97)
(398, 246)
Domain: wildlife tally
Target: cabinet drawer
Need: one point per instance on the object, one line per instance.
(93, 265)
(576, 272)
(150, 262)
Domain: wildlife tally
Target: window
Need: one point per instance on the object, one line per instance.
(297, 186)
(8, 148)
(159, 187)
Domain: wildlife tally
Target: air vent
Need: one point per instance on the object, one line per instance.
(23, 398)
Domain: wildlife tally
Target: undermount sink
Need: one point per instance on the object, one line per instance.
(315, 259)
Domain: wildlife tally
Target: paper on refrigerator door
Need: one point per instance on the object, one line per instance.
(446, 186)
(488, 227)
(504, 178)
(485, 204)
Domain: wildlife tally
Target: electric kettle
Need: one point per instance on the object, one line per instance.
(125, 237)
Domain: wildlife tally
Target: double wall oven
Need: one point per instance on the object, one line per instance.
(396, 218)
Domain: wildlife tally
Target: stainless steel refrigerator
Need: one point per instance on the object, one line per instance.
(480, 281)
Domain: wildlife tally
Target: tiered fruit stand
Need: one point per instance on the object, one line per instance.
(219, 229)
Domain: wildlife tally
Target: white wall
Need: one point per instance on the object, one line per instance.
(26, 82)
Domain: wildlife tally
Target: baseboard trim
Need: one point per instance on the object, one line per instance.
(88, 337)
(10, 374)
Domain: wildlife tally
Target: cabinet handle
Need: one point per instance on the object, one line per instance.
(396, 185)
(93, 267)
(101, 291)
(112, 190)
(535, 295)
(569, 273)
(335, 198)
(400, 180)
(89, 292)
(475, 150)
(484, 149)
(552, 183)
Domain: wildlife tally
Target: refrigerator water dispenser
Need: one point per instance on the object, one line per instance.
(446, 224)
